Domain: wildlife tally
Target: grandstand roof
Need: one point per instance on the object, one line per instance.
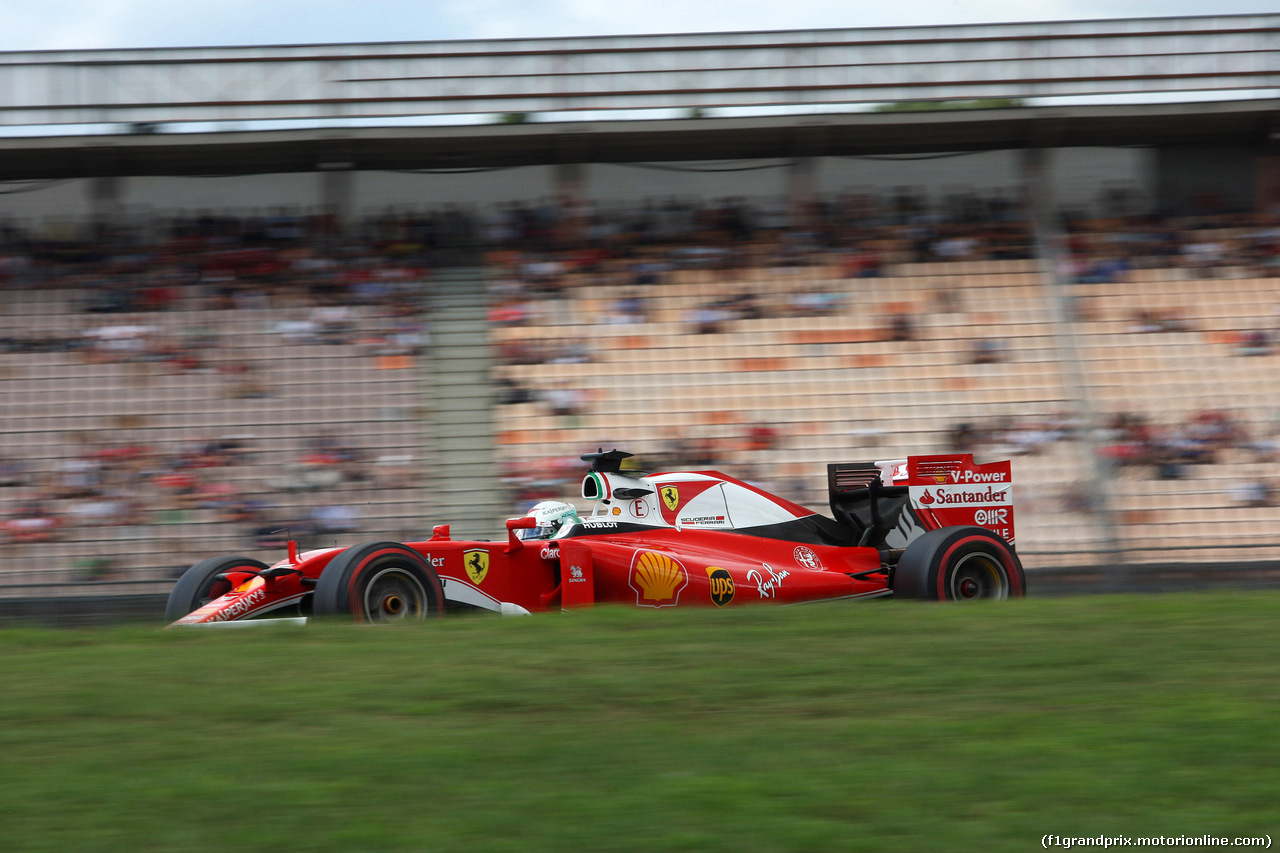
(1141, 60)
(1083, 83)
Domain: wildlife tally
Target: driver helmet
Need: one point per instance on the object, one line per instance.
(552, 517)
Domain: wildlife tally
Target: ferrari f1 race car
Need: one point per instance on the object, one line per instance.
(932, 527)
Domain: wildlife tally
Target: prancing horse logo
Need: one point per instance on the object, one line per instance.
(671, 497)
(477, 564)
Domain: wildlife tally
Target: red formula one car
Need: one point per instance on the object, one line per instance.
(934, 527)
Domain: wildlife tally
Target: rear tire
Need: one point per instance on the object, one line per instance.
(379, 582)
(200, 584)
(959, 564)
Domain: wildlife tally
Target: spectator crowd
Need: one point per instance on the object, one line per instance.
(315, 275)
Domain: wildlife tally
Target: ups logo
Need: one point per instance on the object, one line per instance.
(722, 588)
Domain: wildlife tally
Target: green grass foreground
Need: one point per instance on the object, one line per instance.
(868, 726)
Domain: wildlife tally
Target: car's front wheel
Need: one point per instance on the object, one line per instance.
(379, 582)
(207, 580)
(959, 564)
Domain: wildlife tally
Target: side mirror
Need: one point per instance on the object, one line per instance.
(514, 542)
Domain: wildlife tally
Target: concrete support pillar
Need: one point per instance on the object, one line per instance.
(570, 191)
(1051, 250)
(1037, 191)
(105, 204)
(802, 192)
(337, 195)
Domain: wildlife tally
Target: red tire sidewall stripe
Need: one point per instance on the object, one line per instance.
(356, 572)
(364, 563)
(1006, 560)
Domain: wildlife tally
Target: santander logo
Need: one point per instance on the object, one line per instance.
(950, 496)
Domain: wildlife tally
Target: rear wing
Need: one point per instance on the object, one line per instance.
(892, 502)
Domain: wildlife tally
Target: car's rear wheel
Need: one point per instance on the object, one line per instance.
(959, 564)
(379, 582)
(207, 580)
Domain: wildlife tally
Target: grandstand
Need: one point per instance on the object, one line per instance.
(181, 382)
(837, 386)
(137, 442)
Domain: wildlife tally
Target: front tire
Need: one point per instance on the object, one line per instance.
(959, 564)
(200, 584)
(379, 582)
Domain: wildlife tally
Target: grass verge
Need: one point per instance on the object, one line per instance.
(874, 726)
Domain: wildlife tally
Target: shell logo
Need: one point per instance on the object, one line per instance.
(657, 579)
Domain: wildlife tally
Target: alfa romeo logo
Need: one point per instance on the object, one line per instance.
(805, 558)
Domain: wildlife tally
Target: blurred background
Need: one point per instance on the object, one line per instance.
(343, 292)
